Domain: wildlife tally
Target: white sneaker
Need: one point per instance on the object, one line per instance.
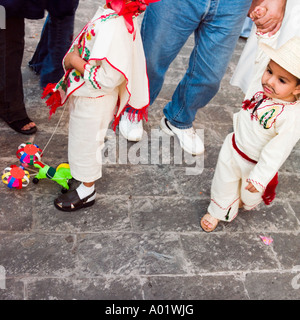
(188, 139)
(132, 130)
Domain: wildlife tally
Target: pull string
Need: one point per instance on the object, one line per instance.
(55, 129)
(43, 150)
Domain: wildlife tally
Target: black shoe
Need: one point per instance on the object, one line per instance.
(71, 202)
(19, 124)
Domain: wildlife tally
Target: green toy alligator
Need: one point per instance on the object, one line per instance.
(61, 174)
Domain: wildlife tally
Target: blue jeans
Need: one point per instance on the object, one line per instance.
(56, 39)
(167, 25)
(247, 26)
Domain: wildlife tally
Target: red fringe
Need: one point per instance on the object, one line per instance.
(48, 90)
(141, 114)
(269, 194)
(54, 101)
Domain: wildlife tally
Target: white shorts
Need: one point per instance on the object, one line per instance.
(89, 121)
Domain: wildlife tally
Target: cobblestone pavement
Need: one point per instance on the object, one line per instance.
(142, 240)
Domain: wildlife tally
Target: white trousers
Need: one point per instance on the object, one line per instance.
(89, 120)
(229, 182)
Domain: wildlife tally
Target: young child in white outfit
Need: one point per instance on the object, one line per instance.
(105, 74)
(265, 131)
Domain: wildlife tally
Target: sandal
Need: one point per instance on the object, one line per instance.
(71, 202)
(210, 221)
(19, 124)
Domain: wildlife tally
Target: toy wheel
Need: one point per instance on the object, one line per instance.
(35, 180)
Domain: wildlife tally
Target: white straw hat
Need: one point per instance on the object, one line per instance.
(287, 56)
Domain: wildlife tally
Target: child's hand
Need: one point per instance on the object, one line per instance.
(271, 21)
(258, 12)
(250, 187)
(69, 58)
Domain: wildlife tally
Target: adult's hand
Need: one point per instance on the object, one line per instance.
(272, 20)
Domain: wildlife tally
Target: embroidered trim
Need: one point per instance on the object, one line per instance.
(248, 208)
(267, 115)
(258, 183)
(87, 67)
(94, 77)
(221, 206)
(90, 77)
(92, 70)
(273, 109)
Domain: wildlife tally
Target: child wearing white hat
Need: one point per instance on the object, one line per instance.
(265, 131)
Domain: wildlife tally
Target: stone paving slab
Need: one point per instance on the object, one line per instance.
(142, 240)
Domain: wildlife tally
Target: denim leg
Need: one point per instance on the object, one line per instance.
(165, 28)
(216, 25)
(59, 37)
(215, 41)
(41, 51)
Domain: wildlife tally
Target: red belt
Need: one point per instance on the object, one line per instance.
(269, 194)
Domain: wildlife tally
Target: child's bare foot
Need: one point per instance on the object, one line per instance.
(258, 12)
(208, 223)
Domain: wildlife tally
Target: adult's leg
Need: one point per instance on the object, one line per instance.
(56, 38)
(12, 107)
(41, 51)
(2, 68)
(59, 35)
(215, 41)
(165, 28)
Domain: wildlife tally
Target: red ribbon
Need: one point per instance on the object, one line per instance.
(128, 8)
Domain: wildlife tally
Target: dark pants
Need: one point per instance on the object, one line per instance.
(12, 105)
(55, 41)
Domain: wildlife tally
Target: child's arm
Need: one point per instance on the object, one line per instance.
(105, 78)
(278, 149)
(73, 60)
